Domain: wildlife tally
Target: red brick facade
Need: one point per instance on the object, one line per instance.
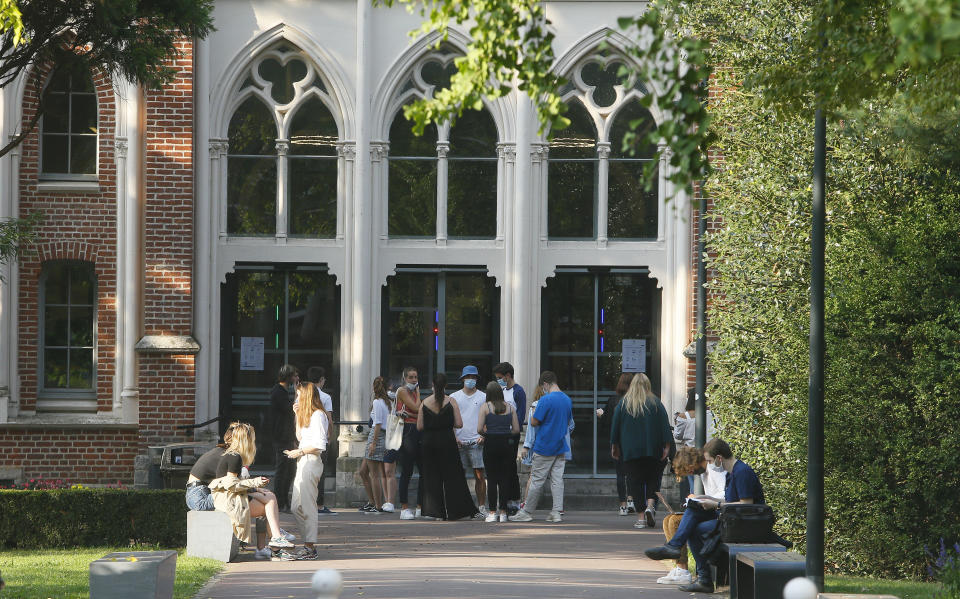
(82, 225)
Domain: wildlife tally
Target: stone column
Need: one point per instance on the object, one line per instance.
(443, 148)
(9, 208)
(603, 153)
(522, 272)
(283, 206)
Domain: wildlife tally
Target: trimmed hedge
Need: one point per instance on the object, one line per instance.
(92, 517)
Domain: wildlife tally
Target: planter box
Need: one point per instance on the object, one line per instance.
(140, 574)
(210, 534)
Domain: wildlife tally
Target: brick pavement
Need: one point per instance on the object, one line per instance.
(590, 554)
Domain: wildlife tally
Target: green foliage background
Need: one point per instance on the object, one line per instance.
(893, 323)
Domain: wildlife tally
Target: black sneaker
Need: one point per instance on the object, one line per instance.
(697, 587)
(306, 553)
(365, 507)
(283, 556)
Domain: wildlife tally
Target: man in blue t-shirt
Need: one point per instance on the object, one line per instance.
(552, 417)
(700, 517)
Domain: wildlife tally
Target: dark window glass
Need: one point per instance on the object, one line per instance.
(252, 171)
(603, 80)
(69, 291)
(69, 126)
(632, 210)
(412, 196)
(472, 177)
(312, 171)
(282, 77)
(572, 178)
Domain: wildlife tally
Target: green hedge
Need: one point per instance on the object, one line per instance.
(92, 517)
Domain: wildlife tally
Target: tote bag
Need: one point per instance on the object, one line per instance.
(394, 438)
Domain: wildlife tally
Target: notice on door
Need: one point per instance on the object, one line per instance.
(251, 353)
(634, 355)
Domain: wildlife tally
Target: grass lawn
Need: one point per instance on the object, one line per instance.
(904, 589)
(65, 573)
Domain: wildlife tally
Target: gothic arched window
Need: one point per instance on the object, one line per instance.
(69, 127)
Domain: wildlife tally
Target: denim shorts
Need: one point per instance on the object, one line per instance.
(390, 456)
(199, 498)
(471, 456)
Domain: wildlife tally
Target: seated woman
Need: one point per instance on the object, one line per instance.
(243, 499)
(690, 462)
(204, 471)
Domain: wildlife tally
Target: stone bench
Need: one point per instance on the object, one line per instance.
(140, 574)
(849, 596)
(763, 574)
(210, 534)
(734, 549)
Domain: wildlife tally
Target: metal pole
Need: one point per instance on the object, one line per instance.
(700, 437)
(815, 512)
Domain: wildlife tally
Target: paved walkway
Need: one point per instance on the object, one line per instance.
(589, 554)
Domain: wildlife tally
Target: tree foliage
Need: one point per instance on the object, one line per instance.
(893, 323)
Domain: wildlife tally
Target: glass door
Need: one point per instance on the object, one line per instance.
(440, 320)
(271, 316)
(586, 316)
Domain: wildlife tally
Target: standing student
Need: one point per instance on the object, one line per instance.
(641, 436)
(469, 400)
(499, 426)
(317, 376)
(445, 492)
(552, 417)
(284, 432)
(372, 469)
(313, 422)
(408, 406)
(514, 395)
(626, 500)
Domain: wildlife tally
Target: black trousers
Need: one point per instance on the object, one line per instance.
(643, 479)
(500, 462)
(286, 472)
(410, 456)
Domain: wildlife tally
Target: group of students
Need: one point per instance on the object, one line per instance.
(472, 429)
(219, 480)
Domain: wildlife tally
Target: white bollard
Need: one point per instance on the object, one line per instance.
(327, 584)
(800, 588)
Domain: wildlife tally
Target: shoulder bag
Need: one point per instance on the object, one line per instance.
(394, 430)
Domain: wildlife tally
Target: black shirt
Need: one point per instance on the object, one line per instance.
(281, 412)
(206, 467)
(230, 462)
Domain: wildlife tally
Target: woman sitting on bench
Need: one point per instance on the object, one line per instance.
(244, 498)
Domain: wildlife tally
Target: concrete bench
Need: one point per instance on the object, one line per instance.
(763, 574)
(210, 534)
(849, 596)
(735, 549)
(140, 574)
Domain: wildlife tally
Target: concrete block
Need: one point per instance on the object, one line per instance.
(210, 534)
(849, 596)
(140, 574)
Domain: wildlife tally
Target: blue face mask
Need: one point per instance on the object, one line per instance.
(502, 383)
(470, 383)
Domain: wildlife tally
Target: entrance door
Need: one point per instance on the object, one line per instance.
(440, 320)
(271, 316)
(586, 316)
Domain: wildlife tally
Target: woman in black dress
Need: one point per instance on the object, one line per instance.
(445, 492)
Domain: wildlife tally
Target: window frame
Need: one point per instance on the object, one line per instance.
(84, 399)
(41, 133)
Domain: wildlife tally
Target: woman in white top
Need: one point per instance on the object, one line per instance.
(312, 425)
(371, 471)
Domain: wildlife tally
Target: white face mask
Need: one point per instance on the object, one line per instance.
(714, 467)
(411, 386)
(470, 383)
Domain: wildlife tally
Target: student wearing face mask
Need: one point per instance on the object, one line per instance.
(690, 462)
(469, 401)
(408, 406)
(700, 518)
(515, 396)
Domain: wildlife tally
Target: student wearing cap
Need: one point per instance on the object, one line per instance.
(469, 401)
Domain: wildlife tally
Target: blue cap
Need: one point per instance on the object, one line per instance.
(468, 370)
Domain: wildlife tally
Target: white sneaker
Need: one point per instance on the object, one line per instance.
(630, 507)
(676, 576)
(650, 515)
(554, 517)
(623, 510)
(280, 543)
(491, 517)
(264, 553)
(288, 535)
(641, 523)
(418, 513)
(388, 507)
(503, 517)
(521, 516)
(407, 514)
(483, 510)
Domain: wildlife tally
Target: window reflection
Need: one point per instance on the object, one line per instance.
(412, 192)
(252, 171)
(572, 178)
(472, 177)
(632, 209)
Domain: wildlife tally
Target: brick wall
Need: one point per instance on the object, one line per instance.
(167, 385)
(89, 457)
(76, 226)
